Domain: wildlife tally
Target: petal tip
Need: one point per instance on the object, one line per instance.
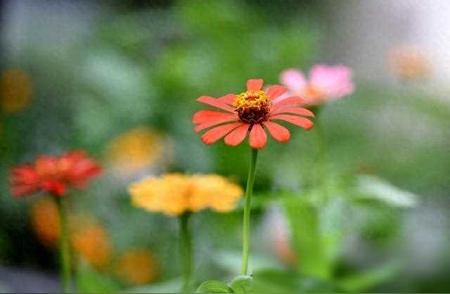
(255, 84)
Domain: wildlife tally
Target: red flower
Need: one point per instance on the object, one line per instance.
(53, 174)
(251, 112)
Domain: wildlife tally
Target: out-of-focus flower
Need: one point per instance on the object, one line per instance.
(280, 238)
(136, 149)
(91, 242)
(175, 194)
(325, 83)
(45, 221)
(251, 113)
(88, 238)
(53, 174)
(213, 191)
(15, 90)
(408, 63)
(137, 267)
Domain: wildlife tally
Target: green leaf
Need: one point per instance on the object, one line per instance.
(231, 261)
(304, 220)
(282, 281)
(168, 286)
(214, 286)
(241, 284)
(275, 281)
(374, 188)
(91, 281)
(365, 281)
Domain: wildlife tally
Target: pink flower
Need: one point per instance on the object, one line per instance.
(325, 83)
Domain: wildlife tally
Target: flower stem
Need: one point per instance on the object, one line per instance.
(321, 163)
(186, 252)
(64, 250)
(247, 211)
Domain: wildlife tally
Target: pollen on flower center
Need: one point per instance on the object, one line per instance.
(252, 106)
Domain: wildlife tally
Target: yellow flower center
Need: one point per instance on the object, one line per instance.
(252, 106)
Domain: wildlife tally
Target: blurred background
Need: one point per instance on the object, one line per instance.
(120, 78)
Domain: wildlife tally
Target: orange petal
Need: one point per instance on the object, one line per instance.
(227, 99)
(292, 101)
(203, 116)
(275, 91)
(237, 135)
(254, 84)
(214, 122)
(295, 110)
(295, 120)
(215, 102)
(258, 137)
(219, 132)
(278, 132)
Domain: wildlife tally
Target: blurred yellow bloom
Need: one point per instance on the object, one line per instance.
(15, 90)
(137, 267)
(175, 194)
(409, 63)
(45, 221)
(91, 242)
(136, 149)
(213, 191)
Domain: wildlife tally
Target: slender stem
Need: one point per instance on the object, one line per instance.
(186, 252)
(247, 211)
(320, 173)
(64, 250)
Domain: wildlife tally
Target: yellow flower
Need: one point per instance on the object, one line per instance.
(213, 191)
(15, 90)
(136, 149)
(175, 194)
(45, 221)
(91, 242)
(137, 267)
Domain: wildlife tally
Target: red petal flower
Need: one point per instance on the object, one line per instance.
(251, 113)
(24, 180)
(77, 169)
(53, 174)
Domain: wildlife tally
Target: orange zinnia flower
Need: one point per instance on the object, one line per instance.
(53, 174)
(137, 267)
(251, 112)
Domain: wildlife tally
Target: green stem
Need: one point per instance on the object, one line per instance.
(321, 152)
(321, 164)
(186, 252)
(64, 250)
(247, 211)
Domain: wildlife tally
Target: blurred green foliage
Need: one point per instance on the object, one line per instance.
(146, 65)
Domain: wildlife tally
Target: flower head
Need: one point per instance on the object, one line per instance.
(251, 113)
(280, 237)
(137, 267)
(53, 174)
(136, 149)
(44, 220)
(91, 242)
(88, 237)
(409, 63)
(175, 194)
(15, 90)
(325, 83)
